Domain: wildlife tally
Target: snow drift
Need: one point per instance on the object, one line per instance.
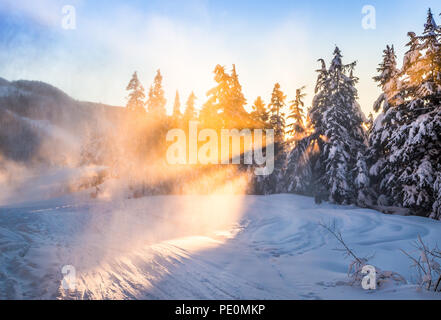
(200, 247)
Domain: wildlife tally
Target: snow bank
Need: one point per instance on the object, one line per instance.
(200, 247)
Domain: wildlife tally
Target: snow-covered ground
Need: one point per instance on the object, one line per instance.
(200, 247)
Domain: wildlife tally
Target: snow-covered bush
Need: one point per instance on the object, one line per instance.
(428, 265)
(356, 267)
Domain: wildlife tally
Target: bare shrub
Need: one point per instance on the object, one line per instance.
(355, 270)
(427, 263)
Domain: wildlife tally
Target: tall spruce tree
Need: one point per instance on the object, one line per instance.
(156, 100)
(217, 99)
(416, 145)
(297, 126)
(234, 112)
(259, 115)
(277, 116)
(384, 125)
(300, 160)
(338, 120)
(190, 110)
(387, 80)
(225, 105)
(271, 183)
(412, 153)
(430, 62)
(136, 95)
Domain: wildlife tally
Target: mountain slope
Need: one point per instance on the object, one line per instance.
(35, 117)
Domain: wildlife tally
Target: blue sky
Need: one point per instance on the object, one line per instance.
(269, 41)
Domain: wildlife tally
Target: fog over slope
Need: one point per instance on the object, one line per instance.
(43, 137)
(41, 124)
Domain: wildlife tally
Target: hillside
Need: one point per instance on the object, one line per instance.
(40, 123)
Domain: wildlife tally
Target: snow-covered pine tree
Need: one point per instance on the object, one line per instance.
(225, 105)
(217, 99)
(338, 120)
(297, 171)
(387, 80)
(156, 100)
(136, 95)
(277, 116)
(260, 120)
(259, 115)
(412, 153)
(297, 127)
(430, 63)
(384, 125)
(415, 154)
(234, 112)
(272, 183)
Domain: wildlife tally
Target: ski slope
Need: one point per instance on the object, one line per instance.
(200, 247)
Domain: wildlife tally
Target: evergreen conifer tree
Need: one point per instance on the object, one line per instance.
(156, 100)
(225, 105)
(136, 95)
(277, 116)
(337, 120)
(384, 125)
(234, 112)
(259, 115)
(190, 111)
(217, 99)
(297, 127)
(407, 160)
